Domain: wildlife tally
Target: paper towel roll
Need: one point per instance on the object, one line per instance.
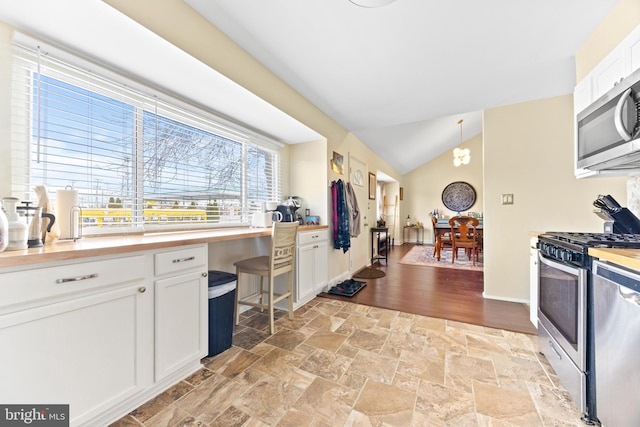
(66, 203)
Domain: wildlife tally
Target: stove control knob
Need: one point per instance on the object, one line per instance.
(568, 256)
(564, 255)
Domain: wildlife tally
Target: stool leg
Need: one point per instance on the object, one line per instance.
(262, 293)
(271, 325)
(290, 290)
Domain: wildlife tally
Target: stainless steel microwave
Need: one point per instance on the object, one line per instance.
(608, 131)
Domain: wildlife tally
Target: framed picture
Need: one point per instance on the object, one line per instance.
(372, 186)
(312, 220)
(337, 163)
(401, 193)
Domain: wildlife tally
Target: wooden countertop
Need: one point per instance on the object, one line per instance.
(97, 246)
(629, 258)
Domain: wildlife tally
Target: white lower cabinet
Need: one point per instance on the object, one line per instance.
(181, 309)
(103, 335)
(181, 319)
(311, 265)
(89, 349)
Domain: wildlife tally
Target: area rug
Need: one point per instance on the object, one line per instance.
(369, 273)
(423, 255)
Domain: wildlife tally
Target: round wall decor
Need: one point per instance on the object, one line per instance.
(458, 196)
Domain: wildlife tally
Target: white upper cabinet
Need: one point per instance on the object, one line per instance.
(633, 50)
(609, 73)
(618, 64)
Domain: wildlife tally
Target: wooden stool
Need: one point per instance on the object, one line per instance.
(280, 261)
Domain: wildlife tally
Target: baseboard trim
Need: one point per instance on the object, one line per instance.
(507, 299)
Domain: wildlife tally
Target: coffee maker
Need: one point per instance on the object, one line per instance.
(288, 208)
(35, 226)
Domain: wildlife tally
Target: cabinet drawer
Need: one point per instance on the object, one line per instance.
(40, 285)
(311, 237)
(191, 258)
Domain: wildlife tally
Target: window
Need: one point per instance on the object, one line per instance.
(138, 161)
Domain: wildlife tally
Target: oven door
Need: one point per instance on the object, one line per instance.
(562, 306)
(562, 325)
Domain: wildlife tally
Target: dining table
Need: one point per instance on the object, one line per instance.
(440, 229)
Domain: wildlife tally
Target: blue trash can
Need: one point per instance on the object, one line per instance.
(222, 302)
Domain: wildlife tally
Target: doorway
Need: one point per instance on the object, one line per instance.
(358, 253)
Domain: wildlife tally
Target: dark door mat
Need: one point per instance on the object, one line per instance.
(369, 273)
(348, 288)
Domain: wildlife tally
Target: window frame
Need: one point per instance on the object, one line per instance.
(138, 96)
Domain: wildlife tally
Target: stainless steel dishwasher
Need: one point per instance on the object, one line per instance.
(616, 296)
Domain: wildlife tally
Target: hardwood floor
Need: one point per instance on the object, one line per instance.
(439, 292)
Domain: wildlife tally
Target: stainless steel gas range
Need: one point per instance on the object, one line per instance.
(565, 312)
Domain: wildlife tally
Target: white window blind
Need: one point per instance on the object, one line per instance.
(138, 160)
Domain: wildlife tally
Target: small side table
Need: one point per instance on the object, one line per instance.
(379, 245)
(419, 233)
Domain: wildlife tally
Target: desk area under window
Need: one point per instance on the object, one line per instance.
(97, 246)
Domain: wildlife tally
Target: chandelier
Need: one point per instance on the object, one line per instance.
(461, 156)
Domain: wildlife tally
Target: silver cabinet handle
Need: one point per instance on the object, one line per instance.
(205, 274)
(191, 258)
(142, 290)
(76, 279)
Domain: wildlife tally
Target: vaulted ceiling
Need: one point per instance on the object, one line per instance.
(401, 76)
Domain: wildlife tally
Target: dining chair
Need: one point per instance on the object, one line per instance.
(281, 260)
(464, 235)
(441, 239)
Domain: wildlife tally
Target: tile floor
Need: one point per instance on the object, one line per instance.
(344, 364)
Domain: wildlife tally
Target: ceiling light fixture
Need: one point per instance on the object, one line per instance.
(461, 156)
(371, 3)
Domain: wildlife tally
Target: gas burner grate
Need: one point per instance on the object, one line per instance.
(610, 240)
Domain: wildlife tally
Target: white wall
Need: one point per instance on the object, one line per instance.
(528, 151)
(308, 177)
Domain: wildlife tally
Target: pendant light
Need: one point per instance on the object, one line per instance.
(461, 156)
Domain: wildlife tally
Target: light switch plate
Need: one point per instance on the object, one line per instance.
(507, 199)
